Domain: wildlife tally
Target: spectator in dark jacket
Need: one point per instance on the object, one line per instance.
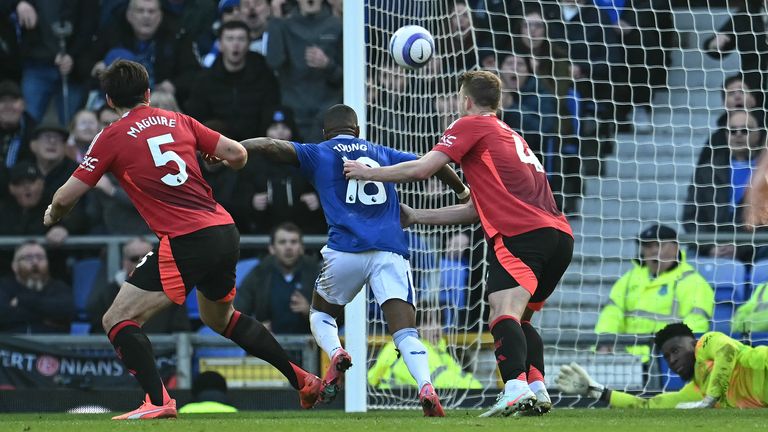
(279, 290)
(528, 106)
(594, 49)
(304, 50)
(30, 301)
(15, 131)
(715, 199)
(240, 89)
(745, 32)
(171, 319)
(43, 62)
(280, 192)
(22, 215)
(145, 35)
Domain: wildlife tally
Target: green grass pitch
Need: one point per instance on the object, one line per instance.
(593, 420)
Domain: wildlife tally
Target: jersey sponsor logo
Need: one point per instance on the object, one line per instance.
(447, 140)
(89, 163)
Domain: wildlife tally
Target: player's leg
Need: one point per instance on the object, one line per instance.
(513, 276)
(140, 298)
(122, 322)
(256, 340)
(341, 279)
(550, 278)
(325, 329)
(391, 283)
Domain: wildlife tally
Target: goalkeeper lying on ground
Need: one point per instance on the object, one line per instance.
(720, 371)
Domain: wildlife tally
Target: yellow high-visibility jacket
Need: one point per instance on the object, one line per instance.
(752, 316)
(641, 304)
(390, 370)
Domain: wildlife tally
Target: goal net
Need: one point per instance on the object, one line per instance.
(621, 106)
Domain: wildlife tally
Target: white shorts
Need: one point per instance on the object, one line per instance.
(344, 274)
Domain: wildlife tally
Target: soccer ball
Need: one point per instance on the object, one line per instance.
(411, 46)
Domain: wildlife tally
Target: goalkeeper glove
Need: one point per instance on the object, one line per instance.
(574, 379)
(707, 402)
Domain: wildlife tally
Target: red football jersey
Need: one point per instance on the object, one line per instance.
(509, 186)
(153, 154)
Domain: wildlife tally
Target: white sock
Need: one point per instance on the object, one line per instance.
(514, 385)
(325, 331)
(537, 386)
(414, 354)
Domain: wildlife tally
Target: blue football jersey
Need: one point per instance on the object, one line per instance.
(361, 215)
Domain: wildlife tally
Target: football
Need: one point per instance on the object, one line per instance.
(412, 46)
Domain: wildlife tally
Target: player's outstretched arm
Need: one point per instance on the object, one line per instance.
(419, 169)
(64, 200)
(273, 149)
(573, 379)
(452, 215)
(231, 152)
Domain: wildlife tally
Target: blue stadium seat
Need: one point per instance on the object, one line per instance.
(244, 267)
(721, 321)
(758, 338)
(193, 310)
(84, 274)
(216, 351)
(759, 273)
(80, 328)
(727, 277)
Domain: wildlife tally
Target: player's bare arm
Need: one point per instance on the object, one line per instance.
(756, 197)
(420, 169)
(447, 175)
(273, 149)
(231, 152)
(460, 214)
(64, 200)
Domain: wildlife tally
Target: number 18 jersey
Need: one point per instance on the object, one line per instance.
(153, 154)
(508, 184)
(361, 215)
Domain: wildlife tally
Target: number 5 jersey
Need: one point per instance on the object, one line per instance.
(153, 154)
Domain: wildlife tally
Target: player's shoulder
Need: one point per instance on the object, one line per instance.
(711, 338)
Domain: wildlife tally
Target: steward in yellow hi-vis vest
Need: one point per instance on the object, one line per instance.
(390, 371)
(661, 288)
(721, 373)
(752, 316)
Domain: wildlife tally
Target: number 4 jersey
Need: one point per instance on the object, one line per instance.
(153, 154)
(361, 215)
(509, 186)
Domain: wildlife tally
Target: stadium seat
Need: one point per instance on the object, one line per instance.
(758, 338)
(244, 267)
(216, 351)
(727, 277)
(193, 310)
(721, 321)
(759, 273)
(84, 273)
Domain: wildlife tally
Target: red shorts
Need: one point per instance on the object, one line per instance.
(535, 260)
(204, 259)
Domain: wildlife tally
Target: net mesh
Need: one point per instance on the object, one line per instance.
(625, 104)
